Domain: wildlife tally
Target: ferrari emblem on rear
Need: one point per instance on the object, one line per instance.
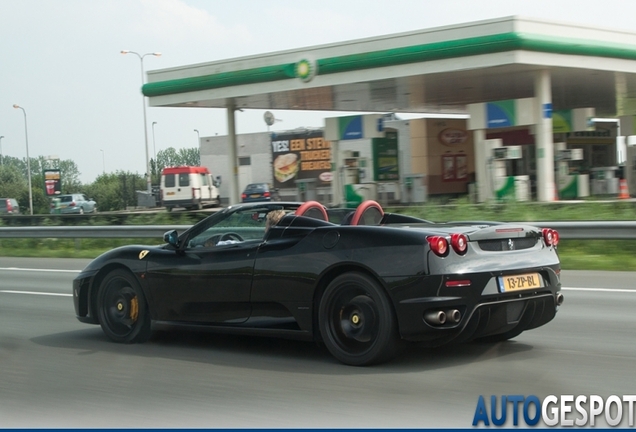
(143, 253)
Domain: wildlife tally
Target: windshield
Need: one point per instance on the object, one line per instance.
(245, 224)
(256, 187)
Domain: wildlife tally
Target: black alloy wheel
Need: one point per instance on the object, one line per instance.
(356, 320)
(122, 308)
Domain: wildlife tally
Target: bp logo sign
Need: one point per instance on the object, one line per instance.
(306, 70)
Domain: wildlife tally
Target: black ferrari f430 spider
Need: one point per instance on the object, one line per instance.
(360, 281)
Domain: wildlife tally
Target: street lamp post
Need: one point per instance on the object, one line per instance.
(26, 137)
(198, 137)
(103, 161)
(141, 60)
(154, 149)
(1, 149)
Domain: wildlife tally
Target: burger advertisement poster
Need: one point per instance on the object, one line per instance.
(301, 155)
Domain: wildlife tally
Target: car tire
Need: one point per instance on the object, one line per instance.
(356, 320)
(122, 308)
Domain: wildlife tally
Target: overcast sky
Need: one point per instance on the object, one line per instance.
(61, 61)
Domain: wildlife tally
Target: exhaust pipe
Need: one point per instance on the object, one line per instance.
(435, 317)
(559, 299)
(454, 315)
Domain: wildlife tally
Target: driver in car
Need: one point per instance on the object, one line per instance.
(272, 219)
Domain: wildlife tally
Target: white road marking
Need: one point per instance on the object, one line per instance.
(617, 290)
(599, 289)
(39, 270)
(562, 288)
(35, 293)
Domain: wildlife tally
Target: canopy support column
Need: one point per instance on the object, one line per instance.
(543, 137)
(231, 143)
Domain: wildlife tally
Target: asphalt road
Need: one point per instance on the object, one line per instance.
(57, 372)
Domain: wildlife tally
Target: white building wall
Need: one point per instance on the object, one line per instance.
(214, 156)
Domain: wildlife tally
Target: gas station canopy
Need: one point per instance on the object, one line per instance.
(439, 70)
(545, 66)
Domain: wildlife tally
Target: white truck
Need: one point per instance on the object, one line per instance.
(191, 187)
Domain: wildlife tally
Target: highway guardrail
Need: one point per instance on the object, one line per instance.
(117, 231)
(600, 230)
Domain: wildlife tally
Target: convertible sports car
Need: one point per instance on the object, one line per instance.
(361, 282)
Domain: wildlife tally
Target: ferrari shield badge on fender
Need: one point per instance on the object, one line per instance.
(143, 254)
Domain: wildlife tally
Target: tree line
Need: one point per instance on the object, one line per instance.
(112, 191)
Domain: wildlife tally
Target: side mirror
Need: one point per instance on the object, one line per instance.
(171, 237)
(217, 181)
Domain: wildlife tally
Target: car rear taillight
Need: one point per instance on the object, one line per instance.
(72, 204)
(9, 207)
(459, 242)
(438, 245)
(266, 194)
(458, 283)
(550, 236)
(243, 195)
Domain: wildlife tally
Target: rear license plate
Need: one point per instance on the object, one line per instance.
(255, 195)
(520, 282)
(170, 193)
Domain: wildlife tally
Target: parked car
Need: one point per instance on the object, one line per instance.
(9, 206)
(73, 203)
(256, 192)
(360, 286)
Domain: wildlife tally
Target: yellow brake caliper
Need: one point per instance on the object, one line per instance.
(134, 308)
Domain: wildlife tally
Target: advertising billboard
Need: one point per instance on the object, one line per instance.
(52, 182)
(385, 157)
(300, 155)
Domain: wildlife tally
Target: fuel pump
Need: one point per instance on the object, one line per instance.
(351, 164)
(506, 186)
(354, 174)
(570, 186)
(630, 167)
